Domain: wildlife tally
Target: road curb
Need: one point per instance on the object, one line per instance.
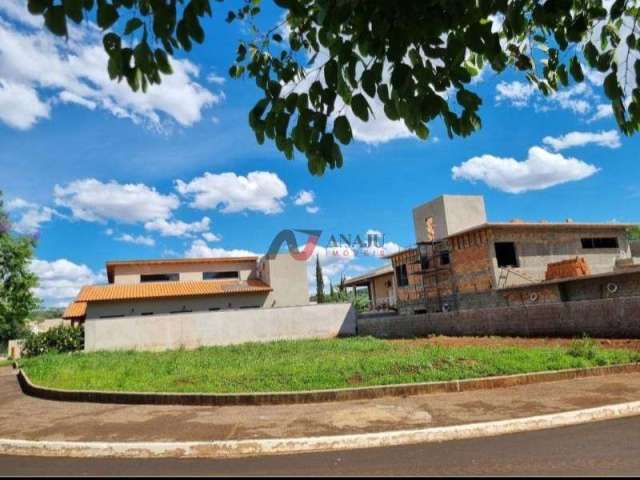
(315, 396)
(244, 448)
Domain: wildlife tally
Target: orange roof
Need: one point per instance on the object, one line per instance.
(133, 291)
(75, 310)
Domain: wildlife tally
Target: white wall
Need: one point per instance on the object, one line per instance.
(288, 278)
(193, 330)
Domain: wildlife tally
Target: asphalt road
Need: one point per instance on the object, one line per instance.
(603, 448)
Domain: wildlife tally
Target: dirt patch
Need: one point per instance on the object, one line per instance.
(630, 344)
(355, 379)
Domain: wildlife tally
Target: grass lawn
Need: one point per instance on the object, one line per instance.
(4, 363)
(304, 365)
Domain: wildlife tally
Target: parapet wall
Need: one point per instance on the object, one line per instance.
(602, 318)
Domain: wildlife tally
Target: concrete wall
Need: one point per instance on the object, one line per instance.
(192, 330)
(162, 306)
(450, 214)
(187, 271)
(288, 278)
(535, 248)
(605, 318)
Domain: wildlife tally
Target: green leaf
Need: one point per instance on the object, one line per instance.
(576, 69)
(591, 54)
(107, 14)
(73, 9)
(611, 87)
(360, 107)
(331, 73)
(37, 7)
(55, 21)
(132, 25)
(342, 130)
(163, 61)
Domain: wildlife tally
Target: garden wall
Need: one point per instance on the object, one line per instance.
(604, 318)
(193, 330)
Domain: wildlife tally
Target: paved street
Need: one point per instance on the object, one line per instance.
(604, 448)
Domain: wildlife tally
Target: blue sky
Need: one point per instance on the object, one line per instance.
(102, 173)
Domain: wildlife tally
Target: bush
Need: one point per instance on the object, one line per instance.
(584, 347)
(64, 338)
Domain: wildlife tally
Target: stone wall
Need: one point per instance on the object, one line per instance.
(193, 330)
(603, 318)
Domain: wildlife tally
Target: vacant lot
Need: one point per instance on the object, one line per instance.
(307, 364)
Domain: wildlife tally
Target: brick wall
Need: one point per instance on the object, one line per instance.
(603, 318)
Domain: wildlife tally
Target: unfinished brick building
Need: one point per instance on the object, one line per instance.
(461, 261)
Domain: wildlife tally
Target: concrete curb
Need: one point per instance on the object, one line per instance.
(243, 448)
(315, 396)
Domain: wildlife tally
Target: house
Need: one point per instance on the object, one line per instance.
(380, 287)
(178, 286)
(462, 261)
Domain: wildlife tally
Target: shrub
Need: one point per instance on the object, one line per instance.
(584, 347)
(60, 339)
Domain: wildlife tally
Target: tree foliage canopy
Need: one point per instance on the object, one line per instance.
(330, 60)
(16, 280)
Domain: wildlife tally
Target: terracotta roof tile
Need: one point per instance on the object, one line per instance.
(132, 291)
(75, 310)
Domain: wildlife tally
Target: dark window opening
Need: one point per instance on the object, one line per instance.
(184, 310)
(401, 275)
(506, 254)
(250, 306)
(159, 277)
(214, 309)
(600, 242)
(111, 316)
(217, 275)
(444, 258)
(144, 314)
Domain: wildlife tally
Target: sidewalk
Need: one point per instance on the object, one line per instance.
(23, 417)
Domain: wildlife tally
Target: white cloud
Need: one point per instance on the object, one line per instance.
(603, 110)
(258, 191)
(31, 215)
(178, 228)
(312, 209)
(95, 201)
(60, 280)
(200, 249)
(137, 240)
(215, 79)
(20, 106)
(516, 93)
(211, 237)
(304, 197)
(35, 64)
(609, 139)
(540, 170)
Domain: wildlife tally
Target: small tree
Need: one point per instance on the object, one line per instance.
(16, 281)
(341, 286)
(331, 292)
(319, 282)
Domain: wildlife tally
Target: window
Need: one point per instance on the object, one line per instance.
(506, 254)
(144, 314)
(444, 258)
(159, 277)
(218, 275)
(600, 242)
(111, 316)
(214, 309)
(401, 275)
(184, 310)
